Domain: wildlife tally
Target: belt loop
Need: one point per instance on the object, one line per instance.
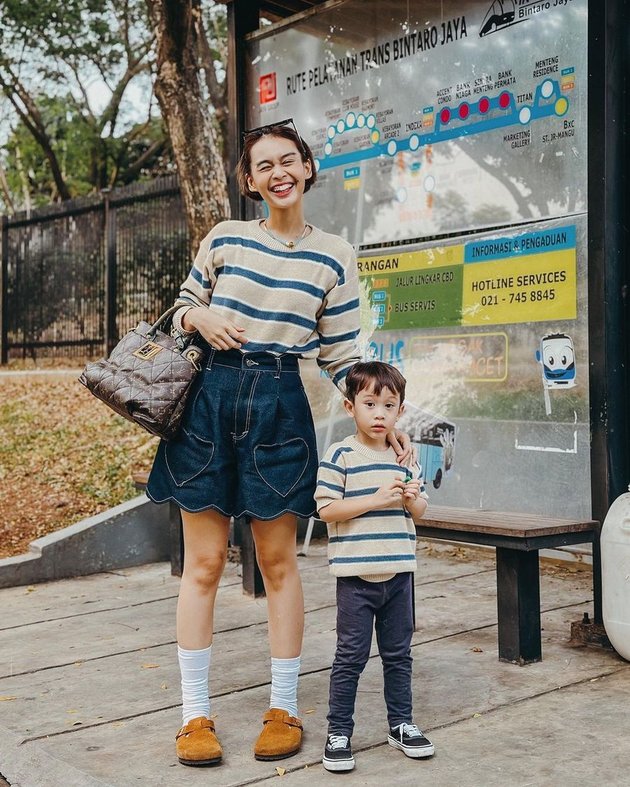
(213, 352)
(278, 367)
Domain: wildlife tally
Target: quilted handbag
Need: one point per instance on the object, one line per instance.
(147, 377)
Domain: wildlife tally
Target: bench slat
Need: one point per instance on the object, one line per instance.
(503, 523)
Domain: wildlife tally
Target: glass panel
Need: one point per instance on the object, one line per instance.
(433, 123)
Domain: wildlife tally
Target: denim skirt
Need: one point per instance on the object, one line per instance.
(247, 441)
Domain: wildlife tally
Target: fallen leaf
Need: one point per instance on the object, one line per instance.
(150, 666)
(281, 771)
(30, 589)
(6, 698)
(476, 715)
(477, 650)
(164, 686)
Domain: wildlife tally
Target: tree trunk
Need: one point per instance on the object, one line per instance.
(193, 137)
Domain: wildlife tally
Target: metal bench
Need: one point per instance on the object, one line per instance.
(251, 576)
(517, 539)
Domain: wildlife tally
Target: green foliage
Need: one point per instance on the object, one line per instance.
(66, 69)
(77, 31)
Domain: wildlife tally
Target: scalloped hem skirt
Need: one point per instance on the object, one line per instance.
(247, 441)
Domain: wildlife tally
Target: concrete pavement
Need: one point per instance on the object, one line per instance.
(89, 685)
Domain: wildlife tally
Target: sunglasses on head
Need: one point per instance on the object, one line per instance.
(269, 128)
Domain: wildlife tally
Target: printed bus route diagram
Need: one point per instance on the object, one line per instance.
(495, 112)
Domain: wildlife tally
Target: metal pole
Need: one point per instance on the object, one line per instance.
(4, 295)
(608, 243)
(110, 333)
(242, 18)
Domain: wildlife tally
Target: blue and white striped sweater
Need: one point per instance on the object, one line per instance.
(377, 542)
(303, 301)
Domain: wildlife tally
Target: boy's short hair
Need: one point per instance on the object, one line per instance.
(377, 375)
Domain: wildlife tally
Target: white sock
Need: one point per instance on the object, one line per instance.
(284, 680)
(194, 666)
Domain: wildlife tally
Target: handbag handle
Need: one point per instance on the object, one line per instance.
(163, 319)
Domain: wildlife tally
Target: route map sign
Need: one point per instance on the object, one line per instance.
(432, 117)
(450, 142)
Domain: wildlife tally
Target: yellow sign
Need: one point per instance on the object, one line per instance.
(530, 288)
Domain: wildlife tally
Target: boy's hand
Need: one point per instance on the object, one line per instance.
(413, 500)
(411, 491)
(388, 494)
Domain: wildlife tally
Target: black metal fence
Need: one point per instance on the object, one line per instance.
(78, 275)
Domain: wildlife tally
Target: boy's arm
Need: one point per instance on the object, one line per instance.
(415, 498)
(351, 507)
(342, 510)
(416, 507)
(334, 506)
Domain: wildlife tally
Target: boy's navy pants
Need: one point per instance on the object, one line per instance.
(361, 607)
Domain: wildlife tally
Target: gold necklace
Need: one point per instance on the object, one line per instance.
(288, 243)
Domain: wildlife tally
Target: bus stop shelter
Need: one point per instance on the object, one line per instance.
(475, 154)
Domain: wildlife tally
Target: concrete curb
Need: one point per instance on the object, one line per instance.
(130, 534)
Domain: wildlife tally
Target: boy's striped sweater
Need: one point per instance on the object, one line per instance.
(303, 301)
(379, 542)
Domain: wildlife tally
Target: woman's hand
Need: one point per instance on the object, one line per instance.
(406, 454)
(218, 331)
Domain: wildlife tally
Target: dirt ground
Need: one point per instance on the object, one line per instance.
(63, 455)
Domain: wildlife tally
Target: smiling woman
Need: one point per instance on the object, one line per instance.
(262, 294)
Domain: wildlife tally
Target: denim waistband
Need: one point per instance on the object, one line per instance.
(254, 361)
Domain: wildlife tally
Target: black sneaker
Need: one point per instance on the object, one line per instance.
(338, 754)
(410, 740)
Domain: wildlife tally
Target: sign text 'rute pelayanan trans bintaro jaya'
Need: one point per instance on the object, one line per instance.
(512, 279)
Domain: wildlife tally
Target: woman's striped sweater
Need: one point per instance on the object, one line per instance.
(379, 542)
(303, 301)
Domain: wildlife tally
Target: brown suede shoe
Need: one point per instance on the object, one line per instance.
(281, 736)
(197, 744)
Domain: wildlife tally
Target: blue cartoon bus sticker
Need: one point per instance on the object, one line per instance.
(556, 357)
(434, 438)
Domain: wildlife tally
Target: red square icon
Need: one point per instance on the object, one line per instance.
(267, 88)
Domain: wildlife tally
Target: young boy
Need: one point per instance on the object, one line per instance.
(370, 504)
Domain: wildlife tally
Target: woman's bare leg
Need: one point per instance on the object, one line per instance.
(205, 552)
(276, 554)
(281, 735)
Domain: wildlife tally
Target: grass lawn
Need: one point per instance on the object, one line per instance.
(63, 456)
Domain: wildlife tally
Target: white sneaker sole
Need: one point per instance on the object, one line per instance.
(412, 751)
(338, 765)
